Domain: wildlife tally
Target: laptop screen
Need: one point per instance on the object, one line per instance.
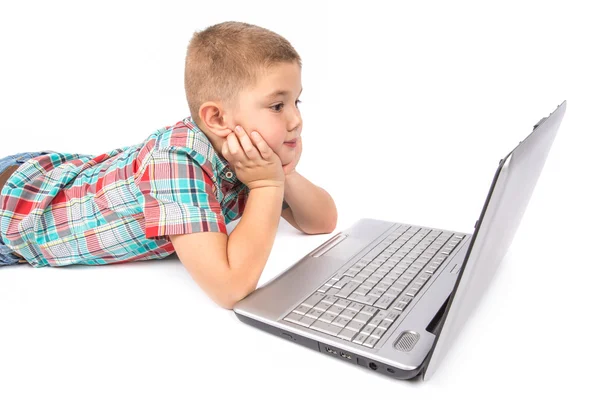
(504, 207)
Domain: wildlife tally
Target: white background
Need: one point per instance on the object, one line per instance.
(407, 111)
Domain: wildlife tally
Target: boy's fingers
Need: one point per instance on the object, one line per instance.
(247, 145)
(260, 144)
(234, 147)
(224, 149)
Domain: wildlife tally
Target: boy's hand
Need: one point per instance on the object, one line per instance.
(254, 162)
(291, 167)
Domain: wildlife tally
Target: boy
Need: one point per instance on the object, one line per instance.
(176, 191)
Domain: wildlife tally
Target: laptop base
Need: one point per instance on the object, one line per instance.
(342, 355)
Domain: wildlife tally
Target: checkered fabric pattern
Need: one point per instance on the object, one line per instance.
(120, 206)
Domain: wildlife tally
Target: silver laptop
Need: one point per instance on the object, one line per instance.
(391, 297)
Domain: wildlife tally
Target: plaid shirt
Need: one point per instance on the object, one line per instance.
(60, 208)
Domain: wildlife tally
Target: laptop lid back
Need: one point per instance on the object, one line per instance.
(504, 207)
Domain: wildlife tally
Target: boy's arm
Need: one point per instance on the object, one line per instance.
(228, 268)
(311, 209)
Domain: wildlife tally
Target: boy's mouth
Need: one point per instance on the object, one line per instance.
(291, 143)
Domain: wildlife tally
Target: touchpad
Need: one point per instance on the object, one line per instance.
(341, 246)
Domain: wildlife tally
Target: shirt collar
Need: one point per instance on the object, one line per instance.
(219, 163)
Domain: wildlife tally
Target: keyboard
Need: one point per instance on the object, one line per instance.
(361, 303)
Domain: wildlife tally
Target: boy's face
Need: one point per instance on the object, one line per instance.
(270, 108)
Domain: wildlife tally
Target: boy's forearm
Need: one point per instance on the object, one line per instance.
(250, 243)
(312, 207)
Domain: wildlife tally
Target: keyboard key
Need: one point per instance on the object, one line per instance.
(388, 280)
(376, 320)
(293, 317)
(363, 318)
(351, 272)
(391, 316)
(313, 300)
(343, 303)
(342, 282)
(341, 321)
(355, 306)
(404, 301)
(355, 325)
(369, 310)
(335, 309)
(314, 313)
(385, 324)
(327, 317)
(360, 299)
(326, 328)
(372, 280)
(371, 341)
(329, 299)
(384, 302)
(362, 291)
(348, 288)
(430, 269)
(378, 275)
(360, 338)
(306, 321)
(377, 292)
(367, 329)
(348, 314)
(346, 334)
(407, 276)
(322, 306)
(378, 332)
(301, 309)
(332, 290)
(399, 286)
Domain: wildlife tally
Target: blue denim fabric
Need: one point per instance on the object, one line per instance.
(7, 257)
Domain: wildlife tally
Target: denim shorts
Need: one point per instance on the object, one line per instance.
(7, 257)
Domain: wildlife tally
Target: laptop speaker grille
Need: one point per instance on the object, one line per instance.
(406, 341)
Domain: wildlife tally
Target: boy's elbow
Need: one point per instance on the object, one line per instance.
(226, 306)
(331, 224)
(326, 227)
(232, 294)
(227, 301)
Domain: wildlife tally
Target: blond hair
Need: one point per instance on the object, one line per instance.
(227, 57)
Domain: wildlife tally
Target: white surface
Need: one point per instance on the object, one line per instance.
(407, 112)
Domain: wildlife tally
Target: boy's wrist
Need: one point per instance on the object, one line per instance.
(266, 184)
(291, 175)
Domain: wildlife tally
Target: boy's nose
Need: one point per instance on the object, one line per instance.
(295, 121)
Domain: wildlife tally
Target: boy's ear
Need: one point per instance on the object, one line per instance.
(213, 117)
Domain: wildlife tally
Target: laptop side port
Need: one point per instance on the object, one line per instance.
(336, 352)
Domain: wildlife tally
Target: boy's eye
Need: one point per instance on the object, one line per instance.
(278, 107)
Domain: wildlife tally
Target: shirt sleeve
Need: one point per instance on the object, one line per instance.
(179, 195)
